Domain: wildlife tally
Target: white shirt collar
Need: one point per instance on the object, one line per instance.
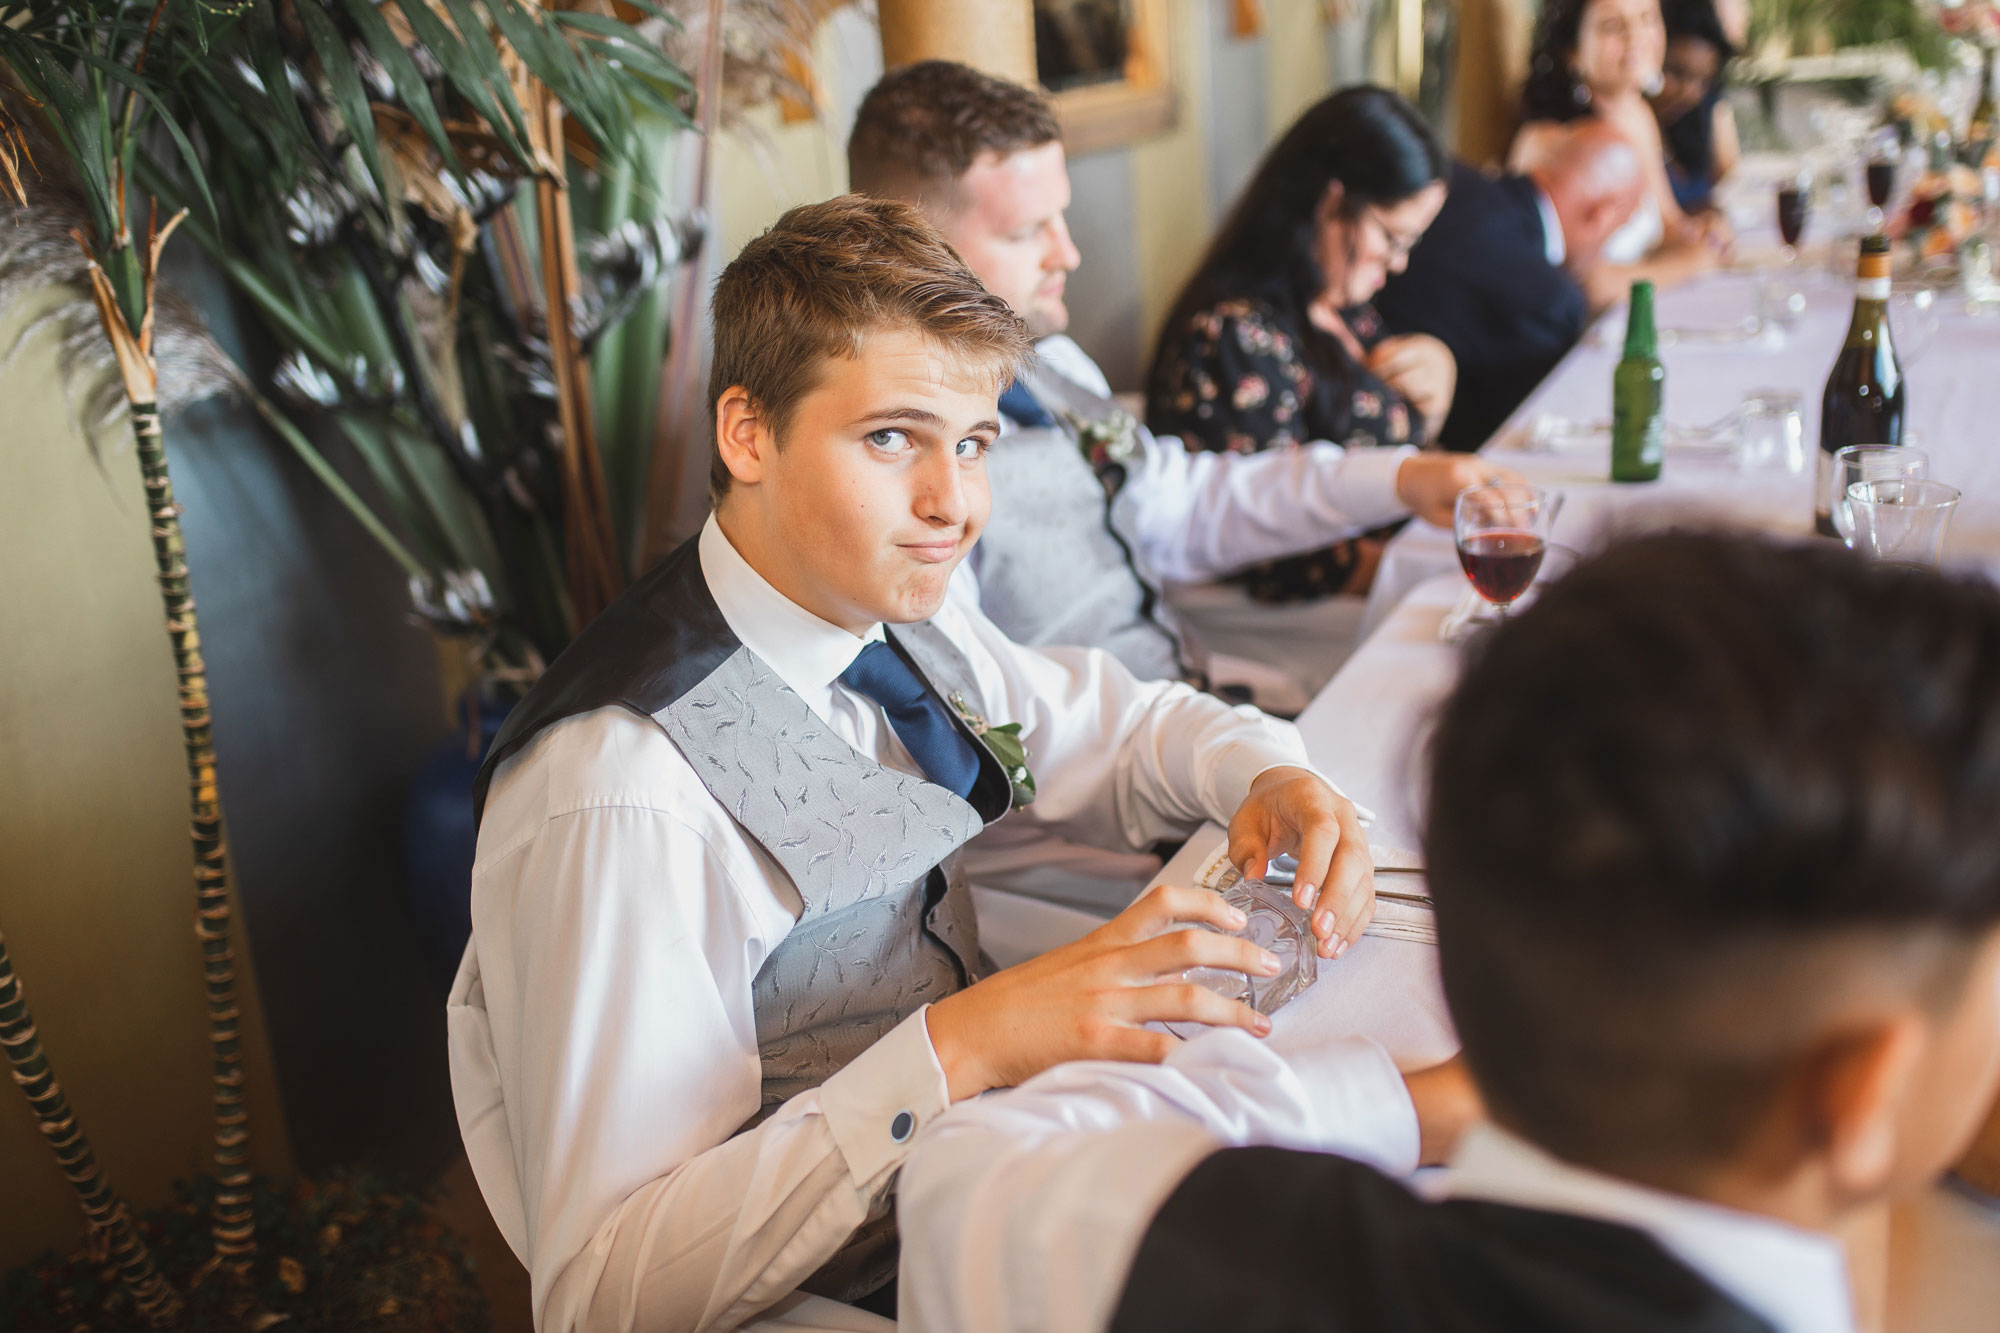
(807, 653)
(1554, 244)
(1795, 1278)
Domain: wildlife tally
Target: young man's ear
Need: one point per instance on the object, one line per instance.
(741, 435)
(1860, 1093)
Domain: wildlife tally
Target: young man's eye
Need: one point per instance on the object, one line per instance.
(891, 441)
(972, 447)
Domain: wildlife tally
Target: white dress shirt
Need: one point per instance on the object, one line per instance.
(603, 1040)
(1023, 1210)
(1197, 515)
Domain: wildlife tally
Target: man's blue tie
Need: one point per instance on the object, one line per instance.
(1020, 407)
(918, 715)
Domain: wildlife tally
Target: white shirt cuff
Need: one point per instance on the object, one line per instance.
(875, 1106)
(1361, 1105)
(1365, 484)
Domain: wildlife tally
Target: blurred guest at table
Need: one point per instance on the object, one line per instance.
(1273, 341)
(1696, 123)
(1092, 513)
(1507, 276)
(1601, 59)
(1724, 954)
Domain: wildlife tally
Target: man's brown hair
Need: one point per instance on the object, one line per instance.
(923, 125)
(822, 279)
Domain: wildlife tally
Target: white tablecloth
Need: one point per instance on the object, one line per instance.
(1953, 405)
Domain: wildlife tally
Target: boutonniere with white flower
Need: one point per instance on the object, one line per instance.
(1007, 746)
(1108, 441)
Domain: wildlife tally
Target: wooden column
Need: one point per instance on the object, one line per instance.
(997, 36)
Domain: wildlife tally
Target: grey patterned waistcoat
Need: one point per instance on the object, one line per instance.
(887, 924)
(1051, 568)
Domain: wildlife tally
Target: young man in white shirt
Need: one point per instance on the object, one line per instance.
(1087, 532)
(1714, 837)
(724, 968)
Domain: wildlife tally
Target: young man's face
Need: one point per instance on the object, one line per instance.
(879, 488)
(1951, 1090)
(1008, 227)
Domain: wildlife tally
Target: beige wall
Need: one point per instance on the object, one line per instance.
(96, 893)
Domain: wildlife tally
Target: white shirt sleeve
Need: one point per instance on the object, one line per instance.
(1117, 759)
(1022, 1210)
(616, 946)
(1199, 515)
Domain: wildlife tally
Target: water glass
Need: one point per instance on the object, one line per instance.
(1901, 521)
(1771, 431)
(1277, 925)
(1913, 322)
(1869, 462)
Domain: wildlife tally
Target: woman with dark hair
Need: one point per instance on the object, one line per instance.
(1602, 58)
(1273, 343)
(1696, 123)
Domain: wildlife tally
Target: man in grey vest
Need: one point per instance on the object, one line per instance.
(724, 967)
(1093, 515)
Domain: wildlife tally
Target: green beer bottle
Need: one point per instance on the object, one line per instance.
(1638, 426)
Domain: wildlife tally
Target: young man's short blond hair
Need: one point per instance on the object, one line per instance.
(822, 279)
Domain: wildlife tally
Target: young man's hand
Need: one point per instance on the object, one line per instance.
(1294, 810)
(1422, 369)
(1089, 1000)
(1428, 484)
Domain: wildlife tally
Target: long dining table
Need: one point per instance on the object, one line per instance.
(1940, 1261)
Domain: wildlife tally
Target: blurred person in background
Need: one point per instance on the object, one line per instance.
(1697, 125)
(1508, 276)
(1273, 340)
(1602, 59)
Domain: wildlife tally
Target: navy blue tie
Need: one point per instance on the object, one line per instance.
(1020, 407)
(918, 715)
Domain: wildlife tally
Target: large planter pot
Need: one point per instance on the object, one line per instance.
(439, 835)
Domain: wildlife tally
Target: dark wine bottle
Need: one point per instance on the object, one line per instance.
(1638, 423)
(1864, 394)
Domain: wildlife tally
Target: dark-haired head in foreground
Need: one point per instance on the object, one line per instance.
(1715, 840)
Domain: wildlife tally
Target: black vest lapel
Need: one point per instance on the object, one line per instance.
(1258, 1240)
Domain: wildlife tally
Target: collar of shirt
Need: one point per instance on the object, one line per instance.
(1060, 353)
(807, 653)
(1554, 244)
(1795, 1278)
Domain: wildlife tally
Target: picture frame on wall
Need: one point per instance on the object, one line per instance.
(1109, 65)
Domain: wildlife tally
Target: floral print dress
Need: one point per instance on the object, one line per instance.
(1232, 378)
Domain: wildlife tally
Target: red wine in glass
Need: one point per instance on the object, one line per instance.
(1500, 563)
(1791, 213)
(1881, 182)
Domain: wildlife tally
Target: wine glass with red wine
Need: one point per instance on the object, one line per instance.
(1880, 175)
(1794, 203)
(1502, 530)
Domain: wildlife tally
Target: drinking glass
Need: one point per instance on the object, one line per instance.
(1879, 174)
(1794, 206)
(1502, 531)
(1869, 462)
(1277, 925)
(1770, 430)
(1901, 521)
(1913, 321)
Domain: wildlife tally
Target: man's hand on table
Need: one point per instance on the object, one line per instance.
(1294, 810)
(1090, 1000)
(1428, 484)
